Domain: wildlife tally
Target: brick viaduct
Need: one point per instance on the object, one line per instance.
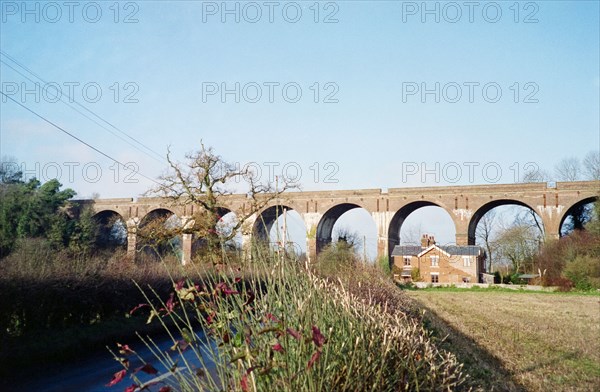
(320, 209)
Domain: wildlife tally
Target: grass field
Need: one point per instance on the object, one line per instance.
(519, 341)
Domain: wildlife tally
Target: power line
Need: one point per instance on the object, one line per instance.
(88, 117)
(75, 137)
(156, 154)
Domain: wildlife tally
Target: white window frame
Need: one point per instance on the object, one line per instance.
(437, 260)
(467, 261)
(407, 261)
(435, 274)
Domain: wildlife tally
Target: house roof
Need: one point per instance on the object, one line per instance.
(528, 276)
(431, 247)
(406, 250)
(465, 250)
(413, 250)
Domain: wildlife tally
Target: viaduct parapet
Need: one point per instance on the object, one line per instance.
(319, 210)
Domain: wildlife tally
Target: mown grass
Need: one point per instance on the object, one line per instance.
(545, 342)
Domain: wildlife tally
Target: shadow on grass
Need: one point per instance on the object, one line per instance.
(486, 372)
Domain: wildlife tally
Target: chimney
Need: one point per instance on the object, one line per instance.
(425, 241)
(431, 240)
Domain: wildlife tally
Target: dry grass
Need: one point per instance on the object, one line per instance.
(545, 342)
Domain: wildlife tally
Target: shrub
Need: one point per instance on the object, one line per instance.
(415, 275)
(384, 265)
(584, 272)
(571, 261)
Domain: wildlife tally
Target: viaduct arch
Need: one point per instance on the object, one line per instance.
(389, 208)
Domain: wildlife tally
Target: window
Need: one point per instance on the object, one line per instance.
(435, 278)
(466, 261)
(407, 260)
(435, 261)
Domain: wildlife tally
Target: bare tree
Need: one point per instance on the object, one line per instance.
(348, 237)
(517, 245)
(485, 235)
(536, 175)
(591, 165)
(203, 181)
(568, 169)
(10, 172)
(411, 235)
(527, 217)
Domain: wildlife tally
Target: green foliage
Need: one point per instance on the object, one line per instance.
(415, 275)
(515, 279)
(82, 232)
(384, 266)
(34, 210)
(337, 256)
(593, 226)
(573, 260)
(584, 272)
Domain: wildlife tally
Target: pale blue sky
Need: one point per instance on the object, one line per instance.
(370, 135)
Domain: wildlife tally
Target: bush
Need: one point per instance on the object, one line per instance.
(384, 265)
(515, 279)
(571, 260)
(584, 272)
(415, 275)
(44, 289)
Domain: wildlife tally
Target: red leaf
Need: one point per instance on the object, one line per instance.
(117, 377)
(137, 307)
(277, 347)
(147, 368)
(244, 383)
(131, 388)
(170, 304)
(179, 285)
(251, 297)
(318, 337)
(224, 288)
(313, 359)
(210, 318)
(295, 334)
(165, 389)
(124, 349)
(272, 318)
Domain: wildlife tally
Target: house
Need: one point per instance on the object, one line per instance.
(433, 263)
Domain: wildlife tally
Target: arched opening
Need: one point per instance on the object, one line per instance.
(226, 229)
(265, 221)
(229, 239)
(350, 223)
(510, 232)
(415, 219)
(577, 216)
(282, 228)
(523, 212)
(111, 230)
(156, 238)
